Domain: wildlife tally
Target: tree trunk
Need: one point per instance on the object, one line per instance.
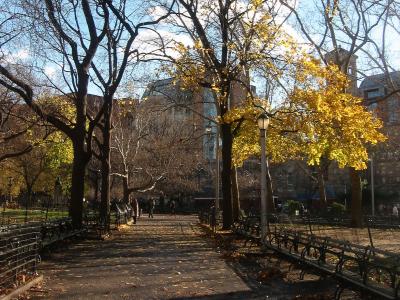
(28, 200)
(356, 198)
(81, 154)
(106, 165)
(270, 191)
(321, 188)
(227, 139)
(125, 189)
(96, 192)
(235, 195)
(78, 184)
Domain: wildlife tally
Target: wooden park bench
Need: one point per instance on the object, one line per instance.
(249, 228)
(367, 269)
(57, 230)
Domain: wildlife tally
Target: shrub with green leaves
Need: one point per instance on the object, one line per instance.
(338, 209)
(293, 206)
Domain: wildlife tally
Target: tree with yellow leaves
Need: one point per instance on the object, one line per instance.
(230, 39)
(317, 122)
(51, 152)
(50, 157)
(336, 23)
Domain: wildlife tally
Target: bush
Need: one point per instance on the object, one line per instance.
(338, 209)
(293, 206)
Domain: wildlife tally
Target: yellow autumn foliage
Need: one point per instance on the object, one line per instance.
(257, 43)
(318, 119)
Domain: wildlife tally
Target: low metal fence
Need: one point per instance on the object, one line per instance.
(369, 269)
(385, 222)
(20, 245)
(210, 217)
(382, 222)
(19, 249)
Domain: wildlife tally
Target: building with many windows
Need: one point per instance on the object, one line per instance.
(197, 109)
(381, 97)
(290, 180)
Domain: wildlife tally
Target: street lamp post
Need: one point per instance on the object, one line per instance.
(209, 138)
(263, 122)
(209, 131)
(10, 180)
(218, 171)
(98, 186)
(372, 186)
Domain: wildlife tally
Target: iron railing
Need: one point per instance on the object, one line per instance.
(19, 249)
(366, 268)
(20, 245)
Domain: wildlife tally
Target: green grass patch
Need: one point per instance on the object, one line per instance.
(18, 215)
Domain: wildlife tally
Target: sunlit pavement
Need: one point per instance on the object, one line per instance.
(160, 258)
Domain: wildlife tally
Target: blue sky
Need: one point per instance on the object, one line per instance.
(25, 54)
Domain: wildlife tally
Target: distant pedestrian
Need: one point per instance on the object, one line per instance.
(135, 209)
(213, 217)
(161, 202)
(252, 211)
(172, 206)
(152, 204)
(381, 209)
(395, 211)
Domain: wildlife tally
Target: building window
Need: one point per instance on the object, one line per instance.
(156, 93)
(383, 171)
(392, 110)
(373, 93)
(390, 155)
(373, 108)
(131, 122)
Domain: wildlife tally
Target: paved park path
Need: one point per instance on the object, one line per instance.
(162, 258)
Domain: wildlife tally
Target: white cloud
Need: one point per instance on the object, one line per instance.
(15, 57)
(22, 54)
(50, 71)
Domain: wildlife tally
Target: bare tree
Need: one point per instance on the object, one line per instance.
(13, 126)
(69, 36)
(227, 44)
(379, 55)
(151, 149)
(119, 54)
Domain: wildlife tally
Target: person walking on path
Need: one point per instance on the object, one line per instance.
(395, 211)
(213, 217)
(172, 206)
(151, 207)
(135, 208)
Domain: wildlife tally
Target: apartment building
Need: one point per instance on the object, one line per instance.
(381, 97)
